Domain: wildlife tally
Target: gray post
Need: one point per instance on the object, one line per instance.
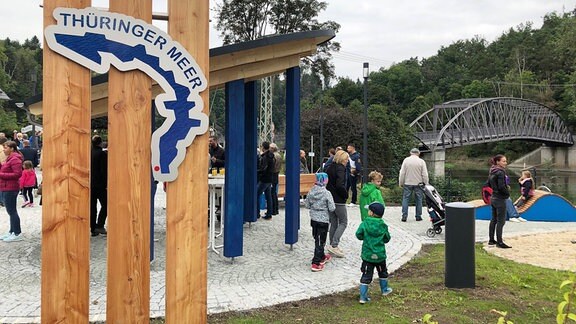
(459, 248)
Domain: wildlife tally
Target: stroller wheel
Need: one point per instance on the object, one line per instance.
(430, 232)
(438, 230)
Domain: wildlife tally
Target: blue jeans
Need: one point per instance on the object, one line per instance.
(406, 193)
(511, 211)
(10, 204)
(266, 188)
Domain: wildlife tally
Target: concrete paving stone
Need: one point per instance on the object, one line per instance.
(268, 273)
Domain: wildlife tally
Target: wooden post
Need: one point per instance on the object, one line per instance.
(66, 182)
(129, 119)
(187, 197)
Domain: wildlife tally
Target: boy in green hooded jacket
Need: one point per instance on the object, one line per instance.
(371, 192)
(374, 232)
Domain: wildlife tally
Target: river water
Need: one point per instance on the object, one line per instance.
(560, 182)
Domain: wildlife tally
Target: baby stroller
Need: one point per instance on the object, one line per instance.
(436, 209)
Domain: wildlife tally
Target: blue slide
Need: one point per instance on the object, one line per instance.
(543, 207)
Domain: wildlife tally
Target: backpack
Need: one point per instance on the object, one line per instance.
(486, 193)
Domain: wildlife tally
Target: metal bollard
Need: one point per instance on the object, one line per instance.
(460, 263)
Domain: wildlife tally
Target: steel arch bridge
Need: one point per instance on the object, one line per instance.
(473, 121)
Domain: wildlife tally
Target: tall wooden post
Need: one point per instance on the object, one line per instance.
(187, 197)
(129, 119)
(66, 182)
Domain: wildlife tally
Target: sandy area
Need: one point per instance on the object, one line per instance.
(549, 250)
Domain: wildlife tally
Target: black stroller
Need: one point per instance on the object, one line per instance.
(436, 209)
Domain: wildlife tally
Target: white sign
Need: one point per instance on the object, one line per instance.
(28, 128)
(98, 39)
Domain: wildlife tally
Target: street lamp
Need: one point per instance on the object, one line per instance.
(321, 126)
(365, 125)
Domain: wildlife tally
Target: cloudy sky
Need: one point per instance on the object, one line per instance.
(375, 31)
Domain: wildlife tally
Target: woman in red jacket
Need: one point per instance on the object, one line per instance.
(10, 173)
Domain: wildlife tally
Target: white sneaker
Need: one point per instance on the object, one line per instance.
(13, 238)
(335, 251)
(3, 236)
(352, 205)
(514, 220)
(522, 219)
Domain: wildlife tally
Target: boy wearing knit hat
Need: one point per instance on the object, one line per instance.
(374, 232)
(320, 203)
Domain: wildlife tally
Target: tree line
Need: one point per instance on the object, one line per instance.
(525, 62)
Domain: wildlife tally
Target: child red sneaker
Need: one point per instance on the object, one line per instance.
(327, 257)
(317, 267)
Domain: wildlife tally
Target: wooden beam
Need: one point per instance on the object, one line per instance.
(187, 196)
(129, 159)
(254, 55)
(253, 71)
(66, 182)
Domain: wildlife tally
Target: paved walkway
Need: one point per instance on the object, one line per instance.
(269, 272)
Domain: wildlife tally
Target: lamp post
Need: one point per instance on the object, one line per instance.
(365, 125)
(321, 126)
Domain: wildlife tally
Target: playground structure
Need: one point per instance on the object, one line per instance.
(543, 206)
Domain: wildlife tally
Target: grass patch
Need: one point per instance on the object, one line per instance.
(528, 293)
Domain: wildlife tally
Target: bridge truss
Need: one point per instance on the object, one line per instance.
(472, 121)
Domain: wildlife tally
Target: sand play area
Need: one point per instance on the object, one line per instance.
(548, 250)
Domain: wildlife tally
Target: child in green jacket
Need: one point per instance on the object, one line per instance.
(374, 232)
(371, 193)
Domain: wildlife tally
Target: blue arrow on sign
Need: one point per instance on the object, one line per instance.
(98, 40)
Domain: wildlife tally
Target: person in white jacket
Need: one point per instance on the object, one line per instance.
(412, 173)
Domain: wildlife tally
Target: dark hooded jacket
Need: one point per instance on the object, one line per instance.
(497, 180)
(337, 182)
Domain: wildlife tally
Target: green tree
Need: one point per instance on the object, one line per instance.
(477, 89)
(8, 121)
(243, 20)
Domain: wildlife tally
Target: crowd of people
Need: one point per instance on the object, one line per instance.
(18, 158)
(327, 200)
(328, 214)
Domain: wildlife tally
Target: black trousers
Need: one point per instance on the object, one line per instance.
(97, 220)
(28, 195)
(319, 232)
(498, 219)
(274, 192)
(352, 184)
(367, 269)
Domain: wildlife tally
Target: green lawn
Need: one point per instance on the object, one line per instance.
(529, 294)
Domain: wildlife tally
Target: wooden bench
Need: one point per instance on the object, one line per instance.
(307, 180)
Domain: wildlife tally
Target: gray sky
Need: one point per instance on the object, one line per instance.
(374, 31)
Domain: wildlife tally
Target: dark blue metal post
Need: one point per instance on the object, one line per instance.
(235, 168)
(250, 145)
(292, 196)
(152, 190)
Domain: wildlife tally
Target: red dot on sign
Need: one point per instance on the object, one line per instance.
(156, 168)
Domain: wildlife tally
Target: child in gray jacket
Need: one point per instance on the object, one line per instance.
(321, 204)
